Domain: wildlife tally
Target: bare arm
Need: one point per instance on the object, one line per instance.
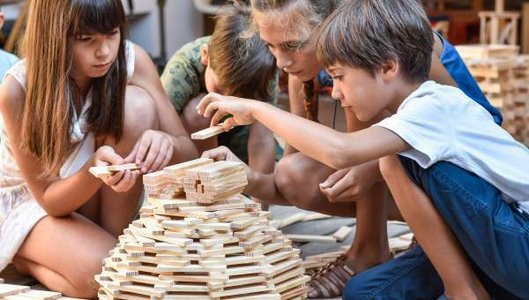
(335, 149)
(57, 197)
(261, 149)
(146, 77)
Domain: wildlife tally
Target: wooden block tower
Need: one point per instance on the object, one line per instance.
(503, 76)
(209, 243)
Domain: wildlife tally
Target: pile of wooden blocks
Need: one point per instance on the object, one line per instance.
(503, 75)
(215, 244)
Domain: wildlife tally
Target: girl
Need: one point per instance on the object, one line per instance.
(289, 28)
(83, 96)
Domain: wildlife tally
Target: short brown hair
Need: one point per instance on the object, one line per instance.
(367, 33)
(239, 58)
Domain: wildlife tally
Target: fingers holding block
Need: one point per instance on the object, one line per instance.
(107, 170)
(208, 132)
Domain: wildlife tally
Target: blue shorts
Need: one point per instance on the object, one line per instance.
(493, 233)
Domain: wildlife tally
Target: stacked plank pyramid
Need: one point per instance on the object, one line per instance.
(211, 243)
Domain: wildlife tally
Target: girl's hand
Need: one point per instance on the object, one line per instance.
(240, 110)
(121, 181)
(152, 151)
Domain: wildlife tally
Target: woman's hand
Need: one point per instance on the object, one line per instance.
(121, 181)
(152, 151)
(240, 110)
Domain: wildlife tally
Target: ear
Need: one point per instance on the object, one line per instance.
(204, 55)
(390, 69)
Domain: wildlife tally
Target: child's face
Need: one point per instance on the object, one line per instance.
(94, 53)
(293, 47)
(358, 91)
(211, 81)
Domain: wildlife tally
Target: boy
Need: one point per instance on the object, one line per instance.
(232, 62)
(467, 200)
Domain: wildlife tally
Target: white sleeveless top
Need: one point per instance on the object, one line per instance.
(19, 211)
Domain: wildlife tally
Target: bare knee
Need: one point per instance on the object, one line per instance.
(140, 111)
(297, 178)
(390, 167)
(83, 278)
(191, 119)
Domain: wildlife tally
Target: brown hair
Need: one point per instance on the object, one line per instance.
(51, 93)
(240, 59)
(368, 33)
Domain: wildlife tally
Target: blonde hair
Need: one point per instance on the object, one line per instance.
(51, 93)
(304, 14)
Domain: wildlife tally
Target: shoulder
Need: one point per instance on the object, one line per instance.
(11, 97)
(189, 54)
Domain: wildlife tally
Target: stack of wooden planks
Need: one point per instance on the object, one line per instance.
(215, 247)
(503, 76)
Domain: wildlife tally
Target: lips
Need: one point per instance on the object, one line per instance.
(101, 66)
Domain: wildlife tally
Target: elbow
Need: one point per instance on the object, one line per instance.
(55, 211)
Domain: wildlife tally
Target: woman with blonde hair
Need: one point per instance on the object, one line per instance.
(82, 96)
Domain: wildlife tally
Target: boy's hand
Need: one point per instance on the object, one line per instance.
(240, 110)
(348, 184)
(152, 151)
(120, 181)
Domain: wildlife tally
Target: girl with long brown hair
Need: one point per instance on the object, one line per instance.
(82, 96)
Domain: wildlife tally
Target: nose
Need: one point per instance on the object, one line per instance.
(335, 93)
(103, 49)
(283, 59)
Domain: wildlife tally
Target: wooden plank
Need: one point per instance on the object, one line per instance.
(208, 132)
(103, 171)
(525, 27)
(311, 238)
(12, 289)
(342, 233)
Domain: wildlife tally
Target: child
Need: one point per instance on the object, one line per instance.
(72, 103)
(289, 28)
(230, 62)
(379, 53)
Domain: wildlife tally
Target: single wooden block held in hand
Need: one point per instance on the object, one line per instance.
(107, 170)
(208, 132)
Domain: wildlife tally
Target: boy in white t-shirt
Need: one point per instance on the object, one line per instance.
(459, 180)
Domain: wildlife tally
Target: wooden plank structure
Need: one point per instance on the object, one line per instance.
(503, 75)
(499, 26)
(185, 247)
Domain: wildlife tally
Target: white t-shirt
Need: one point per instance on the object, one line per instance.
(441, 123)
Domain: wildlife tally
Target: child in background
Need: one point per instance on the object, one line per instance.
(467, 200)
(82, 96)
(231, 62)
